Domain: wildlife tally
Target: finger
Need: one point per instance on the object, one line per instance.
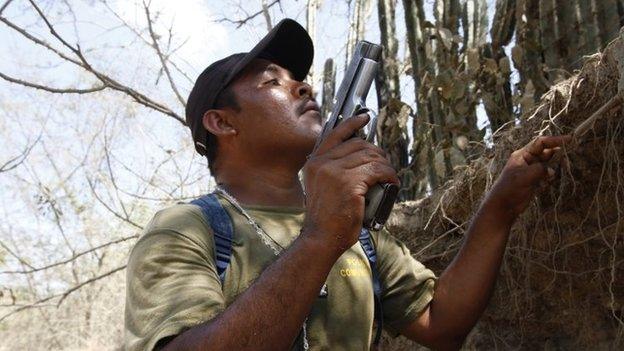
(537, 146)
(352, 146)
(529, 158)
(343, 132)
(375, 172)
(547, 154)
(361, 157)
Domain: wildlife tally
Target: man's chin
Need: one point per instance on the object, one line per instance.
(313, 115)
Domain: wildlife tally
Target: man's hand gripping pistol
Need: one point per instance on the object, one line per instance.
(350, 101)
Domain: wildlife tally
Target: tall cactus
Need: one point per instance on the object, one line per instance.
(329, 87)
(589, 33)
(549, 35)
(607, 18)
(388, 78)
(311, 9)
(568, 33)
(457, 126)
(453, 73)
(494, 75)
(425, 139)
(392, 121)
(357, 27)
(527, 53)
(504, 23)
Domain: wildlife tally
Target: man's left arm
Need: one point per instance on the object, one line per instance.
(464, 289)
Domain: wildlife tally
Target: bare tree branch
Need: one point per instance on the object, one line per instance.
(51, 89)
(6, 4)
(239, 23)
(73, 258)
(83, 63)
(62, 295)
(15, 255)
(147, 42)
(19, 159)
(163, 60)
(267, 15)
(110, 209)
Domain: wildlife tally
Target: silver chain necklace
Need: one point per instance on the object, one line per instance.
(266, 239)
(270, 243)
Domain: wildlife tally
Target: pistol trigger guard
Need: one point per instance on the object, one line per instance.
(372, 129)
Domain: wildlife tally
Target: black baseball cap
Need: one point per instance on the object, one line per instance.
(287, 44)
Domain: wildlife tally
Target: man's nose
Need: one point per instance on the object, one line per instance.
(303, 89)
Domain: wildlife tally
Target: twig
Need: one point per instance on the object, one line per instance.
(89, 281)
(111, 210)
(589, 122)
(74, 257)
(147, 42)
(62, 295)
(19, 159)
(83, 63)
(15, 255)
(5, 6)
(163, 61)
(267, 15)
(586, 125)
(51, 89)
(450, 231)
(239, 23)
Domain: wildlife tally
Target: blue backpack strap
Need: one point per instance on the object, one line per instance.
(367, 244)
(221, 225)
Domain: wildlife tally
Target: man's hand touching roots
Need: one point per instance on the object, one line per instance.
(337, 176)
(526, 172)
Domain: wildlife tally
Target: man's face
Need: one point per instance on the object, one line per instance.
(278, 116)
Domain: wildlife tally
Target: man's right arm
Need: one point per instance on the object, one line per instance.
(270, 313)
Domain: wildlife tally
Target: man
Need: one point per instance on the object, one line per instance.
(257, 122)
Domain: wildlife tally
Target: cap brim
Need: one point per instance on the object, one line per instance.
(287, 44)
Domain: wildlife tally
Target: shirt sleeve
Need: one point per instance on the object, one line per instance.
(172, 282)
(407, 285)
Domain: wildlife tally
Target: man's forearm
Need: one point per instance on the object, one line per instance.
(464, 289)
(269, 314)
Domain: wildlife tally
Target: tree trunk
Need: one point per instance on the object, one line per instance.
(329, 87)
(495, 83)
(311, 8)
(359, 15)
(550, 34)
(388, 74)
(608, 20)
(392, 122)
(423, 145)
(589, 41)
(568, 30)
(527, 54)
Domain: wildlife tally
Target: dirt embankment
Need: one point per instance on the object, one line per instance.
(561, 285)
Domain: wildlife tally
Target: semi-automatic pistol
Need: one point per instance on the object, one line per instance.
(349, 101)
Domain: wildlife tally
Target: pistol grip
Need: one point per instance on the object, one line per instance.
(379, 201)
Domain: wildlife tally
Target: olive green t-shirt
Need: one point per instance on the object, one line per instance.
(173, 285)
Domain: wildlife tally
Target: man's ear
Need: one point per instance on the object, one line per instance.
(217, 122)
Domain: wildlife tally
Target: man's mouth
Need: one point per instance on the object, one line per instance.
(310, 105)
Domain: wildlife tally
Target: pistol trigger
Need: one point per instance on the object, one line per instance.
(362, 110)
